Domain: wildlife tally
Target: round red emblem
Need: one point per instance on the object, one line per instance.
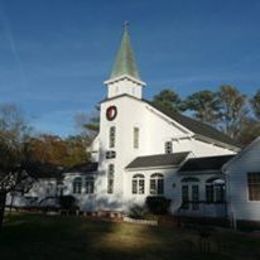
(111, 113)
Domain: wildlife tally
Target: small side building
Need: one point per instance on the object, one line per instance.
(202, 188)
(243, 184)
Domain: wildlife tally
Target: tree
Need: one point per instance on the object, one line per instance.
(53, 150)
(13, 134)
(249, 131)
(205, 106)
(76, 150)
(169, 100)
(255, 103)
(88, 124)
(233, 110)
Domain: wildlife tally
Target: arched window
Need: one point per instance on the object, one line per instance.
(138, 184)
(112, 136)
(215, 190)
(89, 185)
(157, 184)
(77, 185)
(110, 178)
(190, 192)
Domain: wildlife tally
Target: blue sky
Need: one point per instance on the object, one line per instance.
(55, 54)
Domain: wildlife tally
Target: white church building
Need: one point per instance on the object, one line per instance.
(143, 151)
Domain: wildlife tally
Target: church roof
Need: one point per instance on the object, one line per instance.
(173, 159)
(125, 61)
(197, 127)
(84, 168)
(213, 163)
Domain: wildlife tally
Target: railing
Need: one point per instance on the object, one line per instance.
(203, 208)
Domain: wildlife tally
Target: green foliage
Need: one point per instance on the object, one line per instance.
(233, 109)
(255, 103)
(88, 124)
(158, 205)
(169, 100)
(137, 212)
(205, 106)
(250, 130)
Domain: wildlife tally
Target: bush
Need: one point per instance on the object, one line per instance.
(68, 202)
(158, 205)
(137, 212)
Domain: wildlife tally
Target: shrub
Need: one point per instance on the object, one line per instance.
(137, 212)
(68, 202)
(158, 205)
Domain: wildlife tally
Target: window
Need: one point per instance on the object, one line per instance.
(168, 147)
(138, 184)
(195, 197)
(89, 185)
(59, 188)
(110, 155)
(77, 185)
(215, 190)
(49, 189)
(190, 193)
(136, 137)
(185, 196)
(112, 136)
(209, 193)
(253, 180)
(110, 178)
(157, 184)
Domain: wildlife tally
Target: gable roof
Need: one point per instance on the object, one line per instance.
(173, 159)
(205, 163)
(196, 126)
(252, 145)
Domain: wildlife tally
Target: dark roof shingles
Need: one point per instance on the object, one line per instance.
(84, 168)
(196, 126)
(174, 159)
(205, 163)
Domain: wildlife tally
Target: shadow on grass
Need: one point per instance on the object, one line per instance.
(43, 237)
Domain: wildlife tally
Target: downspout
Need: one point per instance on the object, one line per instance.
(229, 202)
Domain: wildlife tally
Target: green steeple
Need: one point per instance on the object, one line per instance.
(125, 61)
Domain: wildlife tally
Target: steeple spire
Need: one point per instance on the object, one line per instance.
(125, 61)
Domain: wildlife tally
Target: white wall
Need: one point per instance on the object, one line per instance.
(155, 129)
(125, 86)
(240, 206)
(173, 191)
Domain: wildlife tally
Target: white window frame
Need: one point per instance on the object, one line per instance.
(138, 184)
(136, 133)
(157, 184)
(110, 178)
(112, 137)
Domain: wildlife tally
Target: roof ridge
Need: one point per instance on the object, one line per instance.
(197, 127)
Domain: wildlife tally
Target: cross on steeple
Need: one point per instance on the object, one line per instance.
(126, 24)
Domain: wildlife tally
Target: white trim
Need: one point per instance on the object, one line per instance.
(125, 76)
(240, 154)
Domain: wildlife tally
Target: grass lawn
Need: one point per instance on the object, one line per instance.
(35, 237)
